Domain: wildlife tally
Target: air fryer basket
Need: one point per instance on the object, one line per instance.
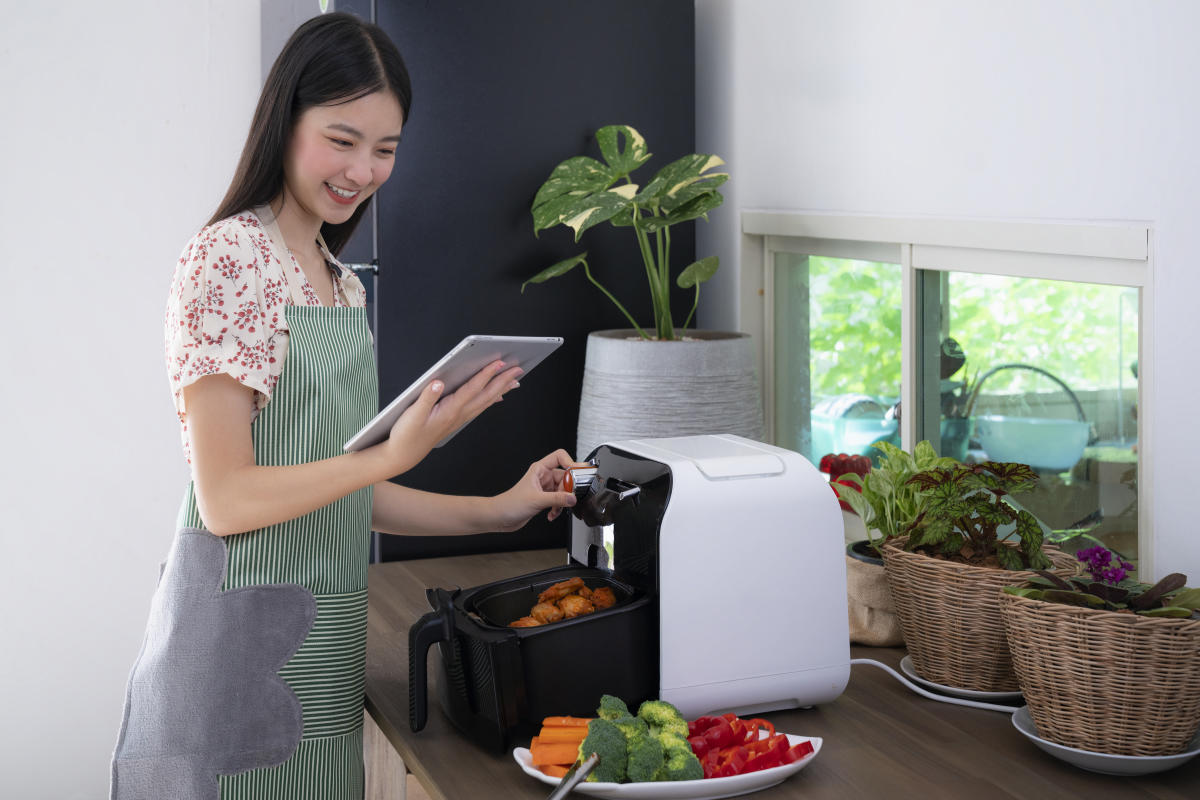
(502, 603)
(499, 682)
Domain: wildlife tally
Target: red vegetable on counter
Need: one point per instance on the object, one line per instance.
(837, 465)
(728, 745)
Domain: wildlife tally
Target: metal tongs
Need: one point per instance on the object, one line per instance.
(575, 775)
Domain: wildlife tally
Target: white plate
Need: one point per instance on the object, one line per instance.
(1102, 762)
(706, 789)
(907, 668)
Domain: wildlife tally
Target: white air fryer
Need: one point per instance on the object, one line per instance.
(742, 543)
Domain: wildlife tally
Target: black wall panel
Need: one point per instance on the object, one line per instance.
(503, 91)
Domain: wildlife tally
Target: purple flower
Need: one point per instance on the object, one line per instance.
(1098, 560)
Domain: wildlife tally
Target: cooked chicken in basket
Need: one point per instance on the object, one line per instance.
(565, 600)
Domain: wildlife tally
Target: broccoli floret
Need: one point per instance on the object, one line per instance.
(668, 727)
(644, 750)
(677, 730)
(663, 718)
(679, 762)
(658, 713)
(605, 739)
(612, 707)
(631, 726)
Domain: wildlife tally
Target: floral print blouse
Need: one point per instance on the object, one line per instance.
(225, 308)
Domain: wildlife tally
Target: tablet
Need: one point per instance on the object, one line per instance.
(454, 369)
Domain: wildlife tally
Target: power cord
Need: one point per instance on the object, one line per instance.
(941, 698)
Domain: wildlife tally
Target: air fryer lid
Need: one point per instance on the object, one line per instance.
(500, 603)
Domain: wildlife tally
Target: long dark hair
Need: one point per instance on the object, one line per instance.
(330, 59)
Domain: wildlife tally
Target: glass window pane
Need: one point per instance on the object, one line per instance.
(837, 354)
(1043, 373)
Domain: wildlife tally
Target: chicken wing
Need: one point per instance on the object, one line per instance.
(561, 589)
(546, 612)
(573, 606)
(603, 598)
(525, 622)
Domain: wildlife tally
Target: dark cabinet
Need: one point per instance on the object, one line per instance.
(503, 91)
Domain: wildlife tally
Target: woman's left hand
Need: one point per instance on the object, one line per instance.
(540, 487)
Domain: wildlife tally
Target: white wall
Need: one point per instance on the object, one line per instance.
(1082, 110)
(122, 125)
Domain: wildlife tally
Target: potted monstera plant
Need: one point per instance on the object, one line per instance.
(945, 573)
(700, 381)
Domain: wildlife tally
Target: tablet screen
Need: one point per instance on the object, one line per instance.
(454, 369)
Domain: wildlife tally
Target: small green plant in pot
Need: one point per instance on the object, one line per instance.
(965, 507)
(887, 504)
(583, 192)
(946, 572)
(1107, 587)
(884, 498)
(1129, 647)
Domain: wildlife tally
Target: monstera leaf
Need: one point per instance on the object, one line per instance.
(583, 192)
(622, 160)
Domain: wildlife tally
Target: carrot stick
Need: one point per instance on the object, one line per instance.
(565, 722)
(575, 734)
(555, 770)
(543, 753)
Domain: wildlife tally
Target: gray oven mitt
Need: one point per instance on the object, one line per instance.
(205, 697)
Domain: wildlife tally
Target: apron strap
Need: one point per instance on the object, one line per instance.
(294, 286)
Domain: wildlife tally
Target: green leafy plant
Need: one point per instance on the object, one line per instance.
(884, 497)
(582, 192)
(965, 507)
(1108, 587)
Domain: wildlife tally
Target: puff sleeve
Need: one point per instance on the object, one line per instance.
(225, 311)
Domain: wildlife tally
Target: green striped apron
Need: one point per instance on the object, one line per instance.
(204, 707)
(325, 394)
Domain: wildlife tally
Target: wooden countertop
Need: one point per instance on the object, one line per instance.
(880, 738)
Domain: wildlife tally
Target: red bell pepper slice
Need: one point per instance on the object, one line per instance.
(701, 724)
(733, 762)
(728, 745)
(720, 734)
(766, 753)
(797, 752)
(761, 723)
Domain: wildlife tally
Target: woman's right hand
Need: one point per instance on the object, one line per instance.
(433, 417)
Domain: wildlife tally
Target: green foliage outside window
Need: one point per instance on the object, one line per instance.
(854, 327)
(1069, 329)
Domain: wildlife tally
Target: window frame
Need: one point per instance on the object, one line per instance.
(1112, 253)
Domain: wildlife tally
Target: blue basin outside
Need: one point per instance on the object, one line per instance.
(1050, 444)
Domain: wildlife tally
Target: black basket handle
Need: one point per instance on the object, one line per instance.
(436, 626)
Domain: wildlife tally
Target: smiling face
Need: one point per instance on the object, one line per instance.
(339, 156)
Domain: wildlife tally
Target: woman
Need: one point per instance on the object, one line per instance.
(250, 680)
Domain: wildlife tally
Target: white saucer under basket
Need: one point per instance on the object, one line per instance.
(1103, 762)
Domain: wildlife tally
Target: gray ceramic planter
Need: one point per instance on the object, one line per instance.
(634, 388)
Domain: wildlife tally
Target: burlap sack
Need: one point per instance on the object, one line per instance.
(873, 619)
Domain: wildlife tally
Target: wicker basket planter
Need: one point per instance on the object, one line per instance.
(950, 615)
(1103, 681)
